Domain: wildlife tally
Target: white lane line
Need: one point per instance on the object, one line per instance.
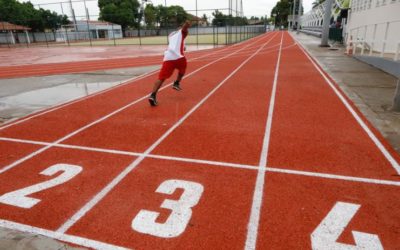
(371, 135)
(333, 176)
(214, 163)
(254, 220)
(59, 236)
(98, 197)
(129, 153)
(204, 162)
(24, 141)
(123, 83)
(265, 51)
(21, 160)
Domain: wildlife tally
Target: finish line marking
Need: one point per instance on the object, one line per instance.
(213, 163)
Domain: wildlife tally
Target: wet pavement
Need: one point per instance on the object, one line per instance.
(370, 89)
(12, 239)
(23, 96)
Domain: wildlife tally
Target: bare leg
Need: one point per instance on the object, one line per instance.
(179, 78)
(157, 86)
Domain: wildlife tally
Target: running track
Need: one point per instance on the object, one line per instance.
(259, 151)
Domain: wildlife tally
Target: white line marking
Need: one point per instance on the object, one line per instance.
(325, 236)
(371, 135)
(24, 141)
(88, 206)
(21, 160)
(264, 52)
(205, 162)
(59, 236)
(216, 163)
(252, 227)
(121, 152)
(333, 176)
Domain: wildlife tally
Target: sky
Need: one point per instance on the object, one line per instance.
(250, 7)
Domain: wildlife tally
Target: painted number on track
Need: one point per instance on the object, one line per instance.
(145, 220)
(328, 231)
(19, 197)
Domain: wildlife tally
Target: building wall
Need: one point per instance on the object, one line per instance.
(372, 20)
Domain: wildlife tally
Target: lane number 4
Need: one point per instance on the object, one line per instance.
(328, 231)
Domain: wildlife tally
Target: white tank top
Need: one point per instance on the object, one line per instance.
(174, 50)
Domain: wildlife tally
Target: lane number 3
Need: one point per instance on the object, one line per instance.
(145, 220)
(19, 198)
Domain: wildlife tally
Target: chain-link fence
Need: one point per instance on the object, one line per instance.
(80, 28)
(99, 33)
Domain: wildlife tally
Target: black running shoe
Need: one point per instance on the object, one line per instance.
(176, 86)
(153, 100)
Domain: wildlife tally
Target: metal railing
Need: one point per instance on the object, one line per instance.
(380, 39)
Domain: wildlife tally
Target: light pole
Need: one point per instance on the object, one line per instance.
(197, 28)
(290, 11)
(325, 27)
(294, 12)
(73, 14)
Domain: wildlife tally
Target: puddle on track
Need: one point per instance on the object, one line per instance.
(27, 102)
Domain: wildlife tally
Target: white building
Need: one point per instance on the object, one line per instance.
(374, 21)
(373, 26)
(99, 29)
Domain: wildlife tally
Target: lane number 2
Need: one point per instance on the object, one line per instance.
(145, 220)
(19, 198)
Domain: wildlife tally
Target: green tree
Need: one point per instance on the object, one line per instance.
(170, 16)
(150, 14)
(222, 20)
(176, 15)
(281, 11)
(205, 18)
(162, 15)
(123, 12)
(25, 14)
(51, 20)
(219, 18)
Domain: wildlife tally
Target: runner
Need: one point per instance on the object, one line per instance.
(174, 58)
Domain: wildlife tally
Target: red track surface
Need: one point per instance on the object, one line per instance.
(257, 151)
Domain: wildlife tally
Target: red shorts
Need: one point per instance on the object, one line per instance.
(168, 68)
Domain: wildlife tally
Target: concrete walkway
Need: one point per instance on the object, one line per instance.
(371, 89)
(11, 239)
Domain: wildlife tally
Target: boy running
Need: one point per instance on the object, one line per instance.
(174, 58)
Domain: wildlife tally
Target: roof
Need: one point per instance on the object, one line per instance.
(96, 22)
(254, 22)
(10, 26)
(196, 18)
